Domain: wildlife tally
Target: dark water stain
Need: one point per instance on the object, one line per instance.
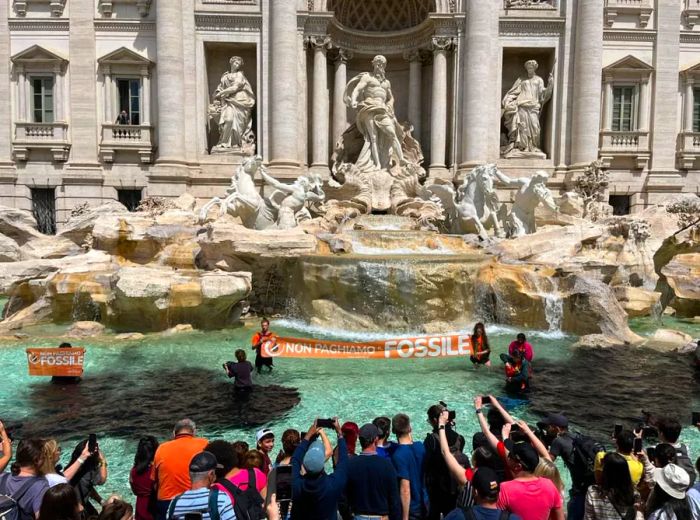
(151, 404)
(597, 388)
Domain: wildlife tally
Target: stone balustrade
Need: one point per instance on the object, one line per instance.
(641, 8)
(47, 136)
(126, 138)
(635, 144)
(691, 12)
(688, 150)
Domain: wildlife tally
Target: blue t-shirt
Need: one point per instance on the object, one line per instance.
(481, 513)
(408, 461)
(386, 450)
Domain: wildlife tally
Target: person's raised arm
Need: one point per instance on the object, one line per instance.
(534, 440)
(327, 446)
(458, 472)
(103, 468)
(493, 440)
(71, 470)
(494, 402)
(6, 448)
(298, 459)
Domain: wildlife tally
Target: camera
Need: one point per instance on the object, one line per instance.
(451, 414)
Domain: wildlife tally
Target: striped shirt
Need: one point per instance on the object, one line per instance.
(197, 501)
(599, 507)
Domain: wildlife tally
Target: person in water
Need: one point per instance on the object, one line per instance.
(259, 339)
(480, 346)
(240, 371)
(65, 380)
(523, 346)
(517, 371)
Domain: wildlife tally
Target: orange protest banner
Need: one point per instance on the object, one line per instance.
(417, 347)
(56, 361)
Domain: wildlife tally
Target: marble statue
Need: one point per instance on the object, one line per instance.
(283, 209)
(233, 104)
(370, 93)
(473, 207)
(522, 106)
(531, 192)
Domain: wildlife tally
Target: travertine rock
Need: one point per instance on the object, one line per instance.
(670, 337)
(17, 224)
(571, 203)
(77, 228)
(683, 278)
(85, 329)
(9, 250)
(46, 246)
(636, 301)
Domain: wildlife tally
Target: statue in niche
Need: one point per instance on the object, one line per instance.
(233, 105)
(370, 93)
(531, 192)
(522, 106)
(283, 209)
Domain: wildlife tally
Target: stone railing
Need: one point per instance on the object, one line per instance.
(127, 138)
(641, 8)
(529, 4)
(688, 149)
(691, 12)
(619, 144)
(41, 136)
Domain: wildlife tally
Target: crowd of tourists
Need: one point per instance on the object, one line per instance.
(377, 471)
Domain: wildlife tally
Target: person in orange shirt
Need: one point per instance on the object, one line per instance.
(480, 345)
(171, 464)
(259, 339)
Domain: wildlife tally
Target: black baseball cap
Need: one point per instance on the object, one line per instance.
(485, 481)
(369, 432)
(526, 455)
(556, 419)
(203, 462)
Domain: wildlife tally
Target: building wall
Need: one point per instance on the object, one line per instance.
(658, 40)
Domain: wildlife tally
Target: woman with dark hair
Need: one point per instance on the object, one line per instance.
(92, 472)
(140, 478)
(614, 498)
(60, 503)
(669, 499)
(116, 509)
(480, 346)
(26, 484)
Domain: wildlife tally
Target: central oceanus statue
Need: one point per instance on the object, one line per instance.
(283, 209)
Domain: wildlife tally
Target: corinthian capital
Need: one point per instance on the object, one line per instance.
(318, 41)
(343, 55)
(441, 43)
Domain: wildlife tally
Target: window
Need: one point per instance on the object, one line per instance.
(42, 99)
(130, 198)
(623, 103)
(44, 209)
(696, 110)
(620, 204)
(130, 99)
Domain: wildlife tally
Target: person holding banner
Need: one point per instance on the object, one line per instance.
(65, 380)
(259, 341)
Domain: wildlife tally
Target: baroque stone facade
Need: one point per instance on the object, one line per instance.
(109, 99)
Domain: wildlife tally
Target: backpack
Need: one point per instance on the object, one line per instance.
(585, 450)
(469, 514)
(683, 460)
(248, 504)
(212, 507)
(9, 504)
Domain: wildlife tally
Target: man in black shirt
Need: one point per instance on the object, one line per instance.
(372, 489)
(557, 427)
(442, 490)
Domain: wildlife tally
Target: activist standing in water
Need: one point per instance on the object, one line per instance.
(258, 340)
(480, 346)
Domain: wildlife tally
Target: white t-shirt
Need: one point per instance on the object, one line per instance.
(55, 479)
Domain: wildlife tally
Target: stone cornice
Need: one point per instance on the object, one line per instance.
(124, 26)
(37, 24)
(228, 22)
(389, 43)
(532, 26)
(690, 37)
(629, 35)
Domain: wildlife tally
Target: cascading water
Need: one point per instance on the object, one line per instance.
(553, 303)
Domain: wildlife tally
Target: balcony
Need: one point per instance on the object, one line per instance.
(633, 144)
(640, 8)
(127, 138)
(691, 12)
(52, 137)
(688, 150)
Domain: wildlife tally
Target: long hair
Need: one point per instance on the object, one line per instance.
(50, 456)
(145, 452)
(617, 482)
(30, 454)
(60, 503)
(484, 338)
(290, 440)
(115, 510)
(547, 469)
(678, 508)
(89, 465)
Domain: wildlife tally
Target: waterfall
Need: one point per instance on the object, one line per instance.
(553, 311)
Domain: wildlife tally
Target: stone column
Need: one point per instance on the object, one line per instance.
(607, 103)
(146, 95)
(109, 114)
(284, 98)
(83, 96)
(643, 105)
(689, 101)
(340, 114)
(6, 127)
(479, 104)
(438, 114)
(320, 104)
(666, 65)
(22, 110)
(415, 81)
(58, 97)
(171, 82)
(588, 62)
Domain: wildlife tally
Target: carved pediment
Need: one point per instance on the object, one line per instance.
(124, 56)
(692, 71)
(37, 55)
(628, 67)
